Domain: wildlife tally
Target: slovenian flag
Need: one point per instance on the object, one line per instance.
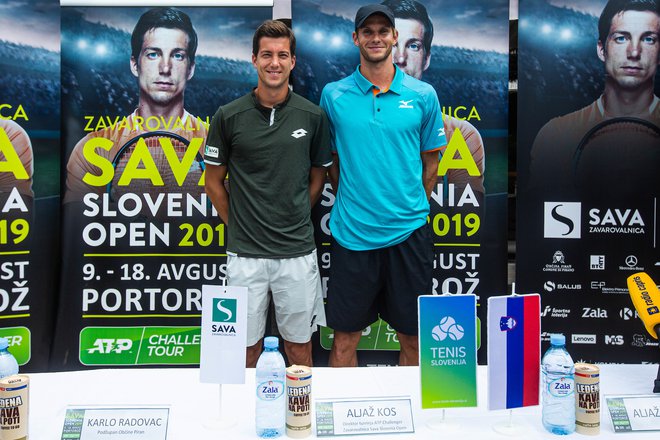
(514, 351)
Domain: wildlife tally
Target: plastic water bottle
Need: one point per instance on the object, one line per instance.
(558, 387)
(271, 399)
(8, 364)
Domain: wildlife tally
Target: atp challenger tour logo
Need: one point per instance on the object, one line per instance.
(224, 315)
(107, 346)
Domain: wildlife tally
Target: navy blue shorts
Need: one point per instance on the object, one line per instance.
(385, 283)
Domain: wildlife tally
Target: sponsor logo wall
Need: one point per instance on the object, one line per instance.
(585, 221)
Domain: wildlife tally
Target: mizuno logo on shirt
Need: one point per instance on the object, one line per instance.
(405, 104)
(441, 132)
(299, 133)
(212, 151)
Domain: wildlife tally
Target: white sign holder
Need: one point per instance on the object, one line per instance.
(442, 424)
(223, 344)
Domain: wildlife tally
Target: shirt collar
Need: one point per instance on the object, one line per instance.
(365, 85)
(277, 107)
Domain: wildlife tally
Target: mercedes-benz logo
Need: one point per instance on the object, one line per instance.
(631, 260)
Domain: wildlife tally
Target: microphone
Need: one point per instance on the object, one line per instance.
(646, 299)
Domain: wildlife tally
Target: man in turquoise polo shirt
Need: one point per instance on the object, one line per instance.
(387, 130)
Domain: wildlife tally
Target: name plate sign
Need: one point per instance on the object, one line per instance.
(374, 416)
(109, 423)
(634, 413)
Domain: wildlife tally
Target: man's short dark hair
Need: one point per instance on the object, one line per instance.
(411, 9)
(273, 29)
(613, 7)
(168, 18)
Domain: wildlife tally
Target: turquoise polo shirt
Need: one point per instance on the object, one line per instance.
(379, 139)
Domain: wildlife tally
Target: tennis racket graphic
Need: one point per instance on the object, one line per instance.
(616, 152)
(157, 142)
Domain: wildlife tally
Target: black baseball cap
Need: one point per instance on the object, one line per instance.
(368, 10)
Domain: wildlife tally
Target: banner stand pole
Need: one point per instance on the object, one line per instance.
(510, 428)
(442, 424)
(219, 423)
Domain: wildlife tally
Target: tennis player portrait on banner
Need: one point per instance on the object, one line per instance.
(159, 130)
(588, 153)
(140, 235)
(617, 135)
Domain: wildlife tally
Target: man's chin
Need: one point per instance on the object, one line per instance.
(162, 98)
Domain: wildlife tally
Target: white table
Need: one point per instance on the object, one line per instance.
(193, 403)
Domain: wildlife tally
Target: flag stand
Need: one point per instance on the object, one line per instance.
(509, 428)
(442, 424)
(219, 423)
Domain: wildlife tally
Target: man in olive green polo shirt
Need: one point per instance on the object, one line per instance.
(275, 146)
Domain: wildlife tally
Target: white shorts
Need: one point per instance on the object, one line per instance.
(296, 287)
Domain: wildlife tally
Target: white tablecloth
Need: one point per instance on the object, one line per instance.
(193, 403)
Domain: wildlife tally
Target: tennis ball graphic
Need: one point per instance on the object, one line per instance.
(455, 332)
(438, 334)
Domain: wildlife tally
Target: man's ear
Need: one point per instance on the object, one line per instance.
(191, 71)
(427, 62)
(355, 39)
(134, 67)
(600, 49)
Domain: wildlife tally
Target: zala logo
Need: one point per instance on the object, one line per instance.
(299, 133)
(448, 328)
(588, 312)
(107, 346)
(224, 310)
(562, 219)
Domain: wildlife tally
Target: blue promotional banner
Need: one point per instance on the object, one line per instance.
(448, 350)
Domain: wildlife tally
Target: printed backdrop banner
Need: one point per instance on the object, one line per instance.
(140, 236)
(29, 178)
(587, 164)
(461, 48)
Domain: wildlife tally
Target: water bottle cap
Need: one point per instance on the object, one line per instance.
(557, 339)
(4, 343)
(271, 342)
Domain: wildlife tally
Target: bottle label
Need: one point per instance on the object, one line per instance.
(270, 390)
(562, 387)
